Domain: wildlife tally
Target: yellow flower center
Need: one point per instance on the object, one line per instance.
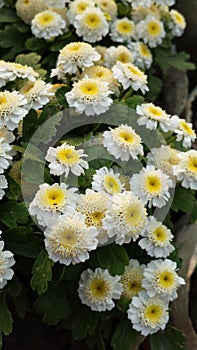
(192, 164)
(154, 28)
(67, 156)
(153, 184)
(123, 57)
(27, 87)
(3, 100)
(160, 234)
(144, 51)
(135, 70)
(153, 313)
(125, 28)
(186, 127)
(179, 18)
(89, 88)
(74, 47)
(132, 215)
(95, 218)
(166, 279)
(111, 184)
(68, 239)
(127, 137)
(46, 19)
(54, 197)
(156, 111)
(92, 21)
(98, 288)
(132, 282)
(81, 7)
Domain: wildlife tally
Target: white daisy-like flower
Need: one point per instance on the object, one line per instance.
(186, 170)
(132, 279)
(123, 142)
(164, 158)
(37, 93)
(109, 7)
(151, 186)
(65, 158)
(151, 31)
(48, 24)
(129, 75)
(119, 53)
(90, 96)
(3, 185)
(98, 288)
(143, 57)
(161, 279)
(5, 156)
(103, 74)
(157, 239)
(9, 71)
(185, 132)
(151, 116)
(52, 201)
(94, 205)
(122, 30)
(77, 7)
(107, 180)
(6, 261)
(69, 240)
(125, 219)
(177, 23)
(27, 9)
(91, 25)
(148, 315)
(73, 56)
(142, 3)
(12, 109)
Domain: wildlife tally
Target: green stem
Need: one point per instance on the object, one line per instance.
(100, 342)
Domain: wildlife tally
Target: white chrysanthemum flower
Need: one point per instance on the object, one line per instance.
(143, 57)
(125, 219)
(151, 31)
(123, 142)
(27, 9)
(98, 288)
(90, 96)
(151, 116)
(77, 7)
(103, 74)
(141, 3)
(9, 71)
(66, 158)
(5, 156)
(58, 4)
(69, 240)
(148, 315)
(12, 109)
(7, 135)
(132, 279)
(164, 158)
(157, 239)
(109, 7)
(164, 2)
(94, 205)
(118, 53)
(161, 279)
(185, 132)
(140, 13)
(3, 185)
(107, 180)
(73, 56)
(186, 170)
(37, 93)
(91, 25)
(6, 261)
(151, 186)
(177, 23)
(122, 30)
(52, 201)
(47, 25)
(129, 75)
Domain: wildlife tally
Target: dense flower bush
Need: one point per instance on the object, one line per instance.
(94, 172)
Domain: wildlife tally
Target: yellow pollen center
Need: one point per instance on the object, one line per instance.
(98, 288)
(81, 7)
(123, 57)
(3, 100)
(186, 127)
(74, 47)
(153, 313)
(95, 219)
(153, 184)
(68, 239)
(156, 111)
(89, 89)
(26, 2)
(126, 137)
(125, 28)
(132, 214)
(144, 51)
(92, 21)
(179, 19)
(192, 164)
(55, 197)
(173, 160)
(111, 184)
(154, 28)
(166, 279)
(135, 70)
(46, 19)
(67, 156)
(160, 234)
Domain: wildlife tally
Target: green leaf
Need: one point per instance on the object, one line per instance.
(14, 287)
(166, 61)
(112, 257)
(5, 316)
(125, 338)
(53, 305)
(184, 199)
(60, 95)
(14, 190)
(8, 15)
(30, 124)
(12, 38)
(133, 101)
(34, 44)
(171, 338)
(155, 86)
(42, 272)
(13, 213)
